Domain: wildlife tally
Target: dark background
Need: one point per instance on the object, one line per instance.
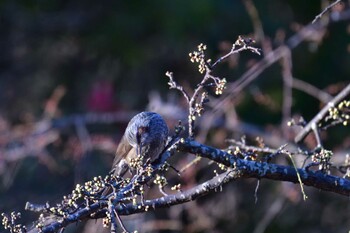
(108, 56)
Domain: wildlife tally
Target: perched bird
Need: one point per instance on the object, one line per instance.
(146, 136)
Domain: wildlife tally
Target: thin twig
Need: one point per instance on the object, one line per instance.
(311, 90)
(313, 123)
(254, 15)
(287, 90)
(325, 10)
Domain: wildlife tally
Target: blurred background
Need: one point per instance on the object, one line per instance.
(72, 74)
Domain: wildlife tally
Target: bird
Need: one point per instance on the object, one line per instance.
(145, 136)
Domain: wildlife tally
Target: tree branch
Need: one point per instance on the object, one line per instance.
(260, 170)
(238, 168)
(313, 123)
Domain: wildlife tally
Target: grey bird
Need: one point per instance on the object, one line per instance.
(146, 136)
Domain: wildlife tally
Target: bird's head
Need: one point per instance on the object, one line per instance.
(147, 132)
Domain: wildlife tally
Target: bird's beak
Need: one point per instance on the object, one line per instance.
(139, 149)
(140, 132)
(139, 145)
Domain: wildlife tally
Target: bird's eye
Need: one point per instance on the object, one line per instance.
(142, 130)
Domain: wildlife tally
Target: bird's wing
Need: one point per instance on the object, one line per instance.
(122, 151)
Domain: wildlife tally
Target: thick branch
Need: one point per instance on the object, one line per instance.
(259, 170)
(181, 197)
(147, 205)
(240, 169)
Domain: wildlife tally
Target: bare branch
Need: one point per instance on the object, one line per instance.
(312, 125)
(312, 90)
(260, 170)
(325, 10)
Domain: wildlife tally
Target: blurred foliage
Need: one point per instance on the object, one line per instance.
(109, 55)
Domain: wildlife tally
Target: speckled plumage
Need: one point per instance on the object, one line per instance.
(146, 129)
